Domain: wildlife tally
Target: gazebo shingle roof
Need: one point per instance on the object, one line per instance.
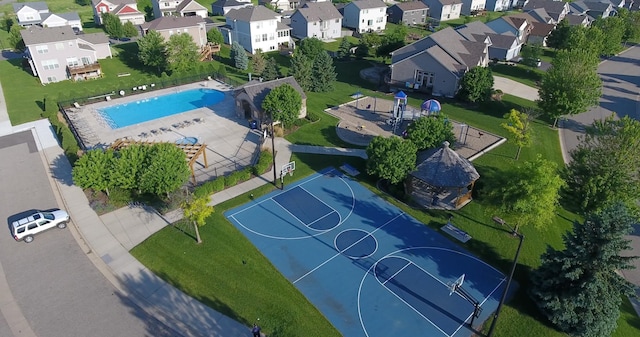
(443, 167)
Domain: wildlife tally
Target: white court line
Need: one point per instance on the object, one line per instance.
(295, 217)
(340, 252)
(396, 273)
(320, 218)
(313, 195)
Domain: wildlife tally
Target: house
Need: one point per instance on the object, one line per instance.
(516, 25)
(317, 19)
(409, 13)
(57, 53)
(505, 46)
(126, 10)
(222, 7)
(365, 15)
(497, 5)
(443, 10)
(556, 10)
(71, 19)
(540, 32)
(178, 8)
(281, 5)
(472, 6)
(256, 27)
(30, 13)
(437, 62)
(169, 25)
(594, 9)
(249, 98)
(583, 20)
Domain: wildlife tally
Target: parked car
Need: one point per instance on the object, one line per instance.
(39, 221)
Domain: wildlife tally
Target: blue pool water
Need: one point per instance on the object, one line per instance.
(121, 115)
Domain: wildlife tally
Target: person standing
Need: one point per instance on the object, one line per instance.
(256, 330)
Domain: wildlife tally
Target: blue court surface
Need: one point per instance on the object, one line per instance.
(371, 269)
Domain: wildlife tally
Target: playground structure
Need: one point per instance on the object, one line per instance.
(208, 50)
(401, 113)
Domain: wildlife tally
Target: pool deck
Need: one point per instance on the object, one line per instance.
(230, 142)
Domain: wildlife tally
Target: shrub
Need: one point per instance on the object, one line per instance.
(278, 130)
(209, 187)
(232, 179)
(263, 164)
(245, 173)
(313, 116)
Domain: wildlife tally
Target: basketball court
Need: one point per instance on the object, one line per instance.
(371, 269)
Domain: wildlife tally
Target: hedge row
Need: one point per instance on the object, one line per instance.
(220, 183)
(65, 136)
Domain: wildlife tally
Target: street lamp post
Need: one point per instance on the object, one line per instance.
(273, 151)
(506, 289)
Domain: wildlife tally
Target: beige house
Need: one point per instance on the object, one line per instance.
(249, 98)
(169, 25)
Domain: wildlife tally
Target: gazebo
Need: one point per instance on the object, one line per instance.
(442, 180)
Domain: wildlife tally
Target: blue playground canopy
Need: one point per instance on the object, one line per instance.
(400, 95)
(431, 105)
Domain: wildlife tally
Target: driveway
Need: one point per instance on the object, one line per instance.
(514, 88)
(51, 282)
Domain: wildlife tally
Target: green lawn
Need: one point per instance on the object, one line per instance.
(519, 73)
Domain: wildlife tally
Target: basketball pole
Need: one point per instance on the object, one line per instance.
(506, 289)
(273, 152)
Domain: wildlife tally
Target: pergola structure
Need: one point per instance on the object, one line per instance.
(192, 151)
(442, 180)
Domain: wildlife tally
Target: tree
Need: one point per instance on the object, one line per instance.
(323, 72)
(362, 50)
(129, 30)
(344, 50)
(530, 193)
(128, 166)
(112, 25)
(152, 51)
(15, 38)
(311, 47)
(271, 71)
(197, 211)
(578, 289)
(614, 27)
(283, 103)
(476, 85)
(517, 124)
(393, 39)
(302, 70)
(182, 53)
(258, 62)
(531, 54)
(92, 170)
(391, 158)
(83, 2)
(559, 36)
(632, 24)
(239, 56)
(215, 36)
(430, 132)
(603, 168)
(8, 23)
(165, 171)
(571, 86)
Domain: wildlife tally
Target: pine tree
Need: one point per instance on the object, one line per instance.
(239, 56)
(302, 70)
(578, 288)
(271, 71)
(324, 73)
(345, 49)
(258, 62)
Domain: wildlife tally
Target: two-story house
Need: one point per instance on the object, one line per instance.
(256, 27)
(497, 5)
(437, 62)
(57, 54)
(178, 8)
(71, 19)
(365, 16)
(170, 25)
(126, 10)
(249, 97)
(472, 6)
(317, 19)
(511, 24)
(222, 7)
(443, 10)
(408, 13)
(30, 13)
(556, 10)
(594, 9)
(504, 46)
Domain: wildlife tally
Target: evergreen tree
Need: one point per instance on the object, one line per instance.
(324, 73)
(578, 288)
(129, 30)
(271, 71)
(239, 56)
(258, 63)
(302, 70)
(362, 51)
(112, 25)
(345, 49)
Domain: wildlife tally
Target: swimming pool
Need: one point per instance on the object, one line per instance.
(144, 110)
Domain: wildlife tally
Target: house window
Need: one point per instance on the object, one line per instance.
(29, 17)
(186, 30)
(379, 20)
(315, 23)
(72, 62)
(366, 11)
(257, 25)
(59, 46)
(257, 38)
(52, 79)
(337, 20)
(170, 32)
(271, 36)
(264, 37)
(86, 60)
(369, 22)
(272, 47)
(50, 64)
(424, 78)
(42, 49)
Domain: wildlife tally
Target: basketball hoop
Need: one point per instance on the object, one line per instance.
(456, 284)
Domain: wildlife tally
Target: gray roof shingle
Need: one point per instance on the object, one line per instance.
(443, 167)
(319, 11)
(37, 35)
(39, 6)
(367, 4)
(411, 6)
(172, 22)
(257, 90)
(251, 14)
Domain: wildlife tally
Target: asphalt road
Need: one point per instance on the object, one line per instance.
(58, 290)
(620, 94)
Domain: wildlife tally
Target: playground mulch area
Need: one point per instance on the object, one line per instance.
(367, 117)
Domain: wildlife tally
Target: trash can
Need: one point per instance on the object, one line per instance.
(253, 124)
